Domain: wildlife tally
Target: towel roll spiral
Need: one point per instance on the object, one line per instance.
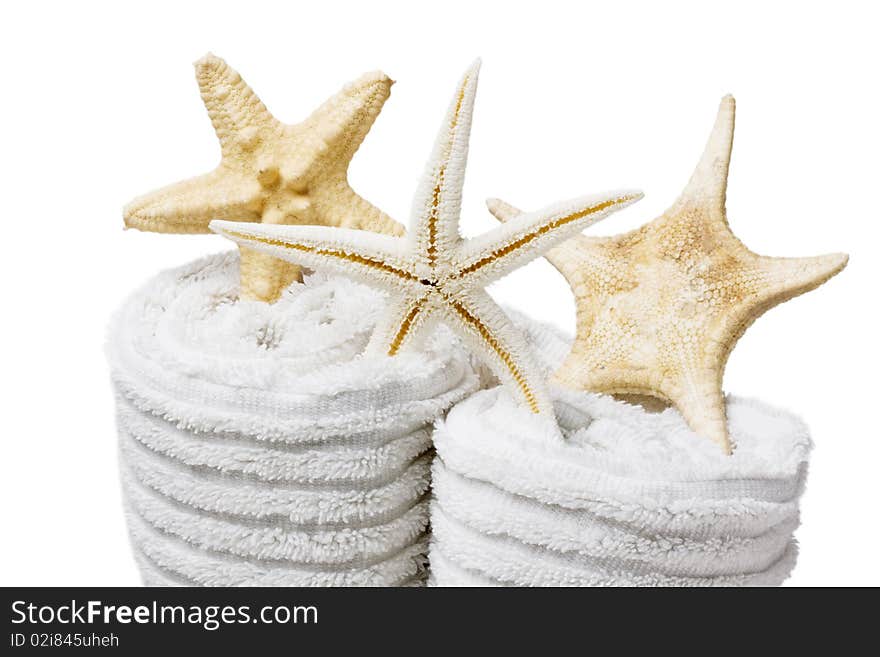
(258, 448)
(630, 497)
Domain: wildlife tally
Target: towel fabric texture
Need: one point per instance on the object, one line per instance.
(258, 448)
(630, 497)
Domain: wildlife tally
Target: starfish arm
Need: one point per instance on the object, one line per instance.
(340, 125)
(339, 205)
(700, 401)
(342, 122)
(765, 284)
(567, 258)
(264, 277)
(358, 254)
(189, 206)
(530, 235)
(708, 183)
(404, 319)
(437, 203)
(502, 210)
(239, 117)
(786, 278)
(489, 333)
(566, 252)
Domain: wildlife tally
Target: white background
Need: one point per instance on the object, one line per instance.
(99, 104)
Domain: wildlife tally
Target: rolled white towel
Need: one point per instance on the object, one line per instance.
(169, 562)
(256, 445)
(629, 498)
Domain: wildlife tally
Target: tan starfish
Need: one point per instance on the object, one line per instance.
(659, 309)
(271, 172)
(433, 273)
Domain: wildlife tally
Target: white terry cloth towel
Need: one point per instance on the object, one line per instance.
(629, 498)
(258, 448)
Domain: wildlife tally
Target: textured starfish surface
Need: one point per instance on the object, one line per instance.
(660, 308)
(434, 274)
(271, 172)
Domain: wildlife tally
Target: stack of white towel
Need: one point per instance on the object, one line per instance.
(257, 449)
(628, 497)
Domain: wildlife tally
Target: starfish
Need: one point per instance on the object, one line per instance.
(434, 274)
(660, 308)
(271, 172)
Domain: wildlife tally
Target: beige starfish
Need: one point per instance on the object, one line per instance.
(433, 273)
(271, 172)
(660, 308)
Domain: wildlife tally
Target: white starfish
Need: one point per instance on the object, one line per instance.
(433, 273)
